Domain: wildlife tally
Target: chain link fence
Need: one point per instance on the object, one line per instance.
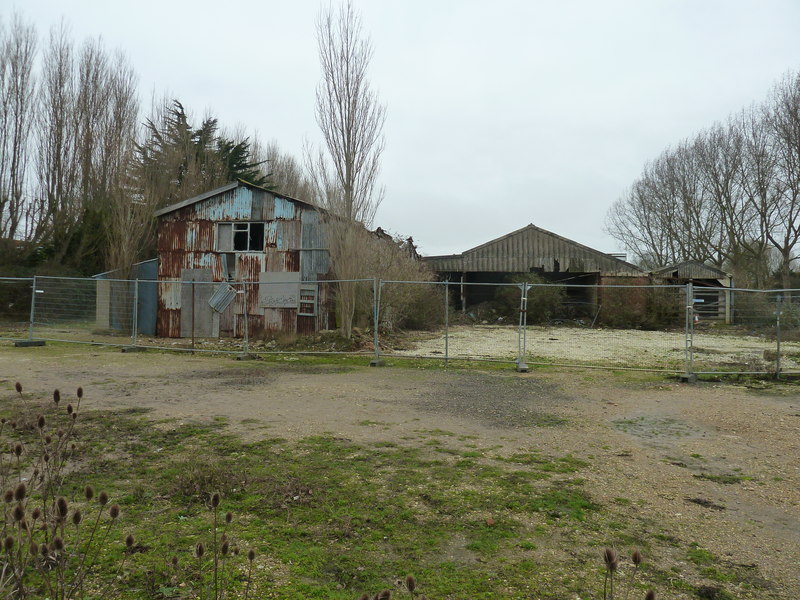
(678, 329)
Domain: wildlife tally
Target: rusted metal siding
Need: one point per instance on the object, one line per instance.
(186, 239)
(532, 248)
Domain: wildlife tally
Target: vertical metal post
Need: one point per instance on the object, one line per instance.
(375, 339)
(134, 331)
(33, 310)
(522, 367)
(246, 322)
(377, 287)
(778, 310)
(192, 314)
(446, 322)
(690, 291)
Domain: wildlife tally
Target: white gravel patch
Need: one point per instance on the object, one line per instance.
(611, 347)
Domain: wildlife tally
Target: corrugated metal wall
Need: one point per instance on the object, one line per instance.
(186, 241)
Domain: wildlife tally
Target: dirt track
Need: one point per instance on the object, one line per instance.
(647, 440)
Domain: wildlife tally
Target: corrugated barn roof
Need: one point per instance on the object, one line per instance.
(532, 248)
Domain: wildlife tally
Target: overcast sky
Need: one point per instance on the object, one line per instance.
(499, 114)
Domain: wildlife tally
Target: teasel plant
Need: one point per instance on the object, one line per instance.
(53, 555)
(611, 562)
(47, 546)
(219, 554)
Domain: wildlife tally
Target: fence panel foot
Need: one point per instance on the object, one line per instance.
(28, 343)
(522, 367)
(688, 378)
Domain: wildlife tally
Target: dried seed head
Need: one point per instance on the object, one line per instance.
(174, 561)
(23, 524)
(385, 595)
(2, 420)
(58, 544)
(56, 397)
(60, 432)
(72, 447)
(364, 597)
(129, 541)
(61, 507)
(40, 422)
(411, 583)
(46, 457)
(20, 492)
(235, 550)
(80, 393)
(8, 544)
(89, 492)
(13, 424)
(36, 513)
(18, 387)
(636, 558)
(18, 512)
(44, 550)
(199, 550)
(18, 449)
(69, 409)
(651, 595)
(77, 517)
(215, 500)
(113, 512)
(251, 555)
(33, 549)
(224, 548)
(610, 559)
(74, 415)
(223, 539)
(228, 517)
(102, 498)
(8, 496)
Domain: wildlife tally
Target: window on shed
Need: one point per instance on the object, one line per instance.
(240, 237)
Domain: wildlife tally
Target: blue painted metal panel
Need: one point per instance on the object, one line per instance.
(147, 305)
(284, 209)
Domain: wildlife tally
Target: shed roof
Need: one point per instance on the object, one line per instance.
(532, 247)
(691, 269)
(221, 190)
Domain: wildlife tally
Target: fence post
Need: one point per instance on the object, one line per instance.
(778, 311)
(522, 334)
(192, 314)
(33, 311)
(246, 322)
(134, 332)
(688, 357)
(446, 322)
(377, 286)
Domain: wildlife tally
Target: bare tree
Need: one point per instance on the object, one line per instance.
(784, 122)
(351, 120)
(17, 85)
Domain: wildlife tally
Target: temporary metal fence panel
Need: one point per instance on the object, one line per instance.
(15, 307)
(631, 327)
(758, 334)
(681, 329)
(96, 311)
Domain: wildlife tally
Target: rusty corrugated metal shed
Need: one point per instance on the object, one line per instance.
(293, 242)
(532, 248)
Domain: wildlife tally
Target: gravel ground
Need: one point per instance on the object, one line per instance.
(656, 450)
(611, 347)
